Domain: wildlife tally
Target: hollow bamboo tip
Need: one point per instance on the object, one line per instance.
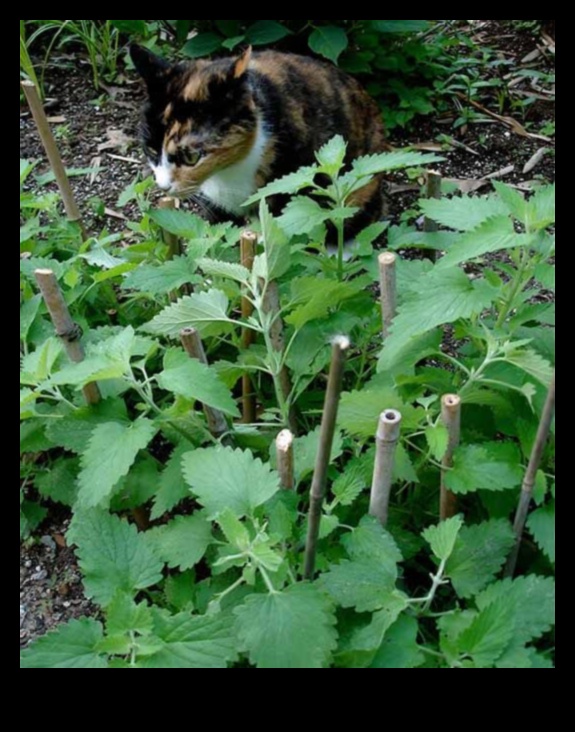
(433, 174)
(389, 425)
(167, 202)
(342, 342)
(387, 259)
(250, 236)
(27, 84)
(284, 441)
(451, 402)
(188, 332)
(43, 272)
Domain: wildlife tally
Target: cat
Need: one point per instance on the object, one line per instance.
(217, 130)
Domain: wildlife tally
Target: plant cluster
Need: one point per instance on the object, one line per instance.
(210, 574)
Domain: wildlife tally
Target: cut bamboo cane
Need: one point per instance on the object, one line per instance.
(433, 191)
(171, 240)
(531, 476)
(340, 346)
(388, 288)
(451, 417)
(72, 210)
(66, 329)
(285, 459)
(386, 440)
(248, 253)
(217, 423)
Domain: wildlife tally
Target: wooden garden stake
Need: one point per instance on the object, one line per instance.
(388, 287)
(171, 240)
(531, 476)
(433, 191)
(194, 347)
(386, 440)
(248, 254)
(451, 417)
(339, 347)
(66, 329)
(72, 211)
(285, 459)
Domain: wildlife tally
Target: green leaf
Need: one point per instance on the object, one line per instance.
(266, 31)
(173, 488)
(192, 641)
(288, 184)
(234, 530)
(493, 466)
(533, 364)
(112, 555)
(224, 478)
(203, 44)
(58, 482)
(399, 648)
(227, 270)
(69, 646)
(276, 244)
(348, 486)
(329, 41)
(37, 366)
(464, 213)
(364, 584)
(371, 541)
(399, 26)
(545, 274)
(479, 554)
(183, 542)
(111, 452)
(28, 313)
(74, 432)
(302, 215)
(384, 162)
(403, 360)
(489, 634)
(541, 524)
(179, 590)
(306, 449)
(158, 280)
(437, 438)
(206, 311)
(181, 223)
(189, 378)
(332, 155)
(315, 298)
(359, 411)
(130, 27)
(288, 629)
(541, 208)
(124, 615)
(442, 538)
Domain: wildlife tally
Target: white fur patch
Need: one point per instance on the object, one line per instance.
(163, 172)
(231, 187)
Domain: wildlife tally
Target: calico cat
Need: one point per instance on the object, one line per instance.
(216, 131)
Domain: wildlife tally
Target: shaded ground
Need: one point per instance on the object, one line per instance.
(100, 133)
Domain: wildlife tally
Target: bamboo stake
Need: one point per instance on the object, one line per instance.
(217, 423)
(433, 191)
(340, 345)
(285, 459)
(171, 240)
(72, 211)
(531, 476)
(388, 287)
(451, 417)
(248, 253)
(66, 329)
(387, 437)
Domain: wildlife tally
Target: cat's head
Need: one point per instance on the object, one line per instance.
(200, 117)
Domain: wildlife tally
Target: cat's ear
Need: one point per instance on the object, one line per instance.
(150, 67)
(241, 64)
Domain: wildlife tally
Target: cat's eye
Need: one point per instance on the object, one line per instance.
(191, 157)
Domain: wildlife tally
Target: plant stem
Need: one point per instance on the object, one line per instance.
(531, 476)
(319, 483)
(451, 417)
(271, 589)
(247, 253)
(340, 249)
(516, 288)
(387, 437)
(66, 329)
(72, 211)
(171, 240)
(388, 287)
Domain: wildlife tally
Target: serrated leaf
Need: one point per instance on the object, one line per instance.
(189, 378)
(276, 245)
(181, 223)
(266, 31)
(399, 648)
(442, 538)
(206, 311)
(158, 280)
(437, 438)
(364, 584)
(224, 269)
(315, 298)
(545, 274)
(541, 525)
(202, 44)
(479, 554)
(74, 432)
(463, 213)
(288, 629)
(493, 466)
(179, 590)
(234, 530)
(288, 184)
(224, 478)
(306, 449)
(370, 540)
(69, 646)
(183, 542)
(112, 555)
(533, 364)
(541, 208)
(37, 366)
(173, 488)
(192, 641)
(359, 411)
(403, 360)
(302, 215)
(58, 482)
(124, 615)
(348, 486)
(110, 454)
(383, 162)
(28, 312)
(532, 600)
(329, 41)
(332, 155)
(489, 634)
